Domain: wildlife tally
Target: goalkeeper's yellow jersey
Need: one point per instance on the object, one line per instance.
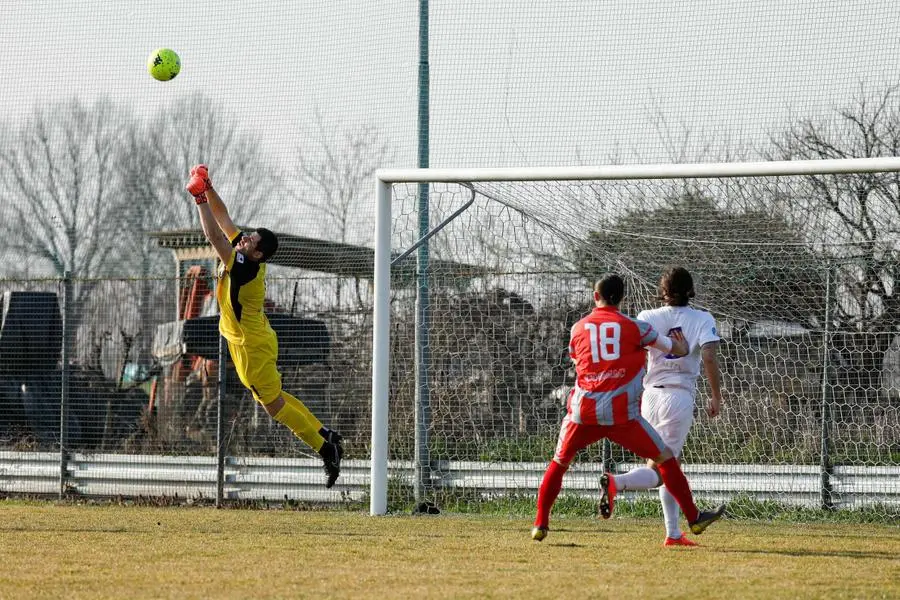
(241, 294)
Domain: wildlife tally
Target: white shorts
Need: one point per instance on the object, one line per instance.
(671, 412)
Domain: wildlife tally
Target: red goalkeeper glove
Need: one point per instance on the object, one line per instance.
(202, 171)
(199, 183)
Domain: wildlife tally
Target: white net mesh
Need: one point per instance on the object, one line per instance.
(797, 270)
(294, 109)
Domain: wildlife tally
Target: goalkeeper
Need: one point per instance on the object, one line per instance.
(252, 342)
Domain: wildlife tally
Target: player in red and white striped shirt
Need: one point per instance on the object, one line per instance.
(609, 350)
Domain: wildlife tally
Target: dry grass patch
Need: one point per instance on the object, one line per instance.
(111, 551)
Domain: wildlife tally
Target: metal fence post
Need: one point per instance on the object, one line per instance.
(64, 383)
(826, 499)
(220, 423)
(606, 461)
(422, 461)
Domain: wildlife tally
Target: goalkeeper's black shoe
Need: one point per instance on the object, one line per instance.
(707, 518)
(332, 452)
(332, 436)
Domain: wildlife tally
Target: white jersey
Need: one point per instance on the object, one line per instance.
(698, 327)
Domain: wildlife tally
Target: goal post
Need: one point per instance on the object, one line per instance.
(535, 226)
(381, 349)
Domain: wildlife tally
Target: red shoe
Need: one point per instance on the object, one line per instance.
(680, 541)
(607, 495)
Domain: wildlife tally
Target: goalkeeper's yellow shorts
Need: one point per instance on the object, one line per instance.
(256, 368)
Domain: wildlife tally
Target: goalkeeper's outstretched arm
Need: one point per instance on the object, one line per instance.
(213, 234)
(215, 226)
(201, 182)
(220, 213)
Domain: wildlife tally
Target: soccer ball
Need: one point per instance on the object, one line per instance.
(163, 64)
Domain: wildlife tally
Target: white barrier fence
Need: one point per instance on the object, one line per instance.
(301, 479)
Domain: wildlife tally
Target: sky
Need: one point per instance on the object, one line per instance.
(513, 83)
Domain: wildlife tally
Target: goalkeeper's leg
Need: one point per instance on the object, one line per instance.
(293, 414)
(259, 373)
(257, 370)
(290, 412)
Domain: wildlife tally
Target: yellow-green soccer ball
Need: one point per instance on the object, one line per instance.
(163, 64)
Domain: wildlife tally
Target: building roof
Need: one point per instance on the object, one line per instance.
(315, 254)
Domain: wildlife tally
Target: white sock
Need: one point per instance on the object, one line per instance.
(671, 513)
(642, 478)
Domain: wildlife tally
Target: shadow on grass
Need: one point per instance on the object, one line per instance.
(823, 553)
(56, 529)
(566, 545)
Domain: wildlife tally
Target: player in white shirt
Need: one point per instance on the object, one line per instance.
(670, 385)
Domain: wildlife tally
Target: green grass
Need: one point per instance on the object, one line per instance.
(641, 505)
(53, 550)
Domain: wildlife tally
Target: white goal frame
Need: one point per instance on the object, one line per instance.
(385, 178)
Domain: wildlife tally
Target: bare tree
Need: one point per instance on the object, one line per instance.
(157, 160)
(61, 192)
(854, 220)
(335, 172)
(81, 186)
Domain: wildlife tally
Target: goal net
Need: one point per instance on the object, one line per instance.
(474, 299)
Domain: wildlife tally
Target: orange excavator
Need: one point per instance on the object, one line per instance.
(192, 300)
(194, 296)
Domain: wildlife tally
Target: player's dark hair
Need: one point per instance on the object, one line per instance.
(676, 286)
(268, 243)
(611, 288)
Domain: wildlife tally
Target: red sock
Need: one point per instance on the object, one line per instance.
(547, 493)
(677, 484)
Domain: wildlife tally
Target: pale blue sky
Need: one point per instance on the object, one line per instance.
(513, 82)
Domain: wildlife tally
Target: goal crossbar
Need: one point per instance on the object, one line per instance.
(648, 171)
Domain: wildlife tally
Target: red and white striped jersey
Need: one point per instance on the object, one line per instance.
(609, 350)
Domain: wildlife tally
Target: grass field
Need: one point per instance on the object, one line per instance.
(113, 551)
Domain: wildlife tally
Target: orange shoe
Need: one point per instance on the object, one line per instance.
(607, 495)
(680, 541)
